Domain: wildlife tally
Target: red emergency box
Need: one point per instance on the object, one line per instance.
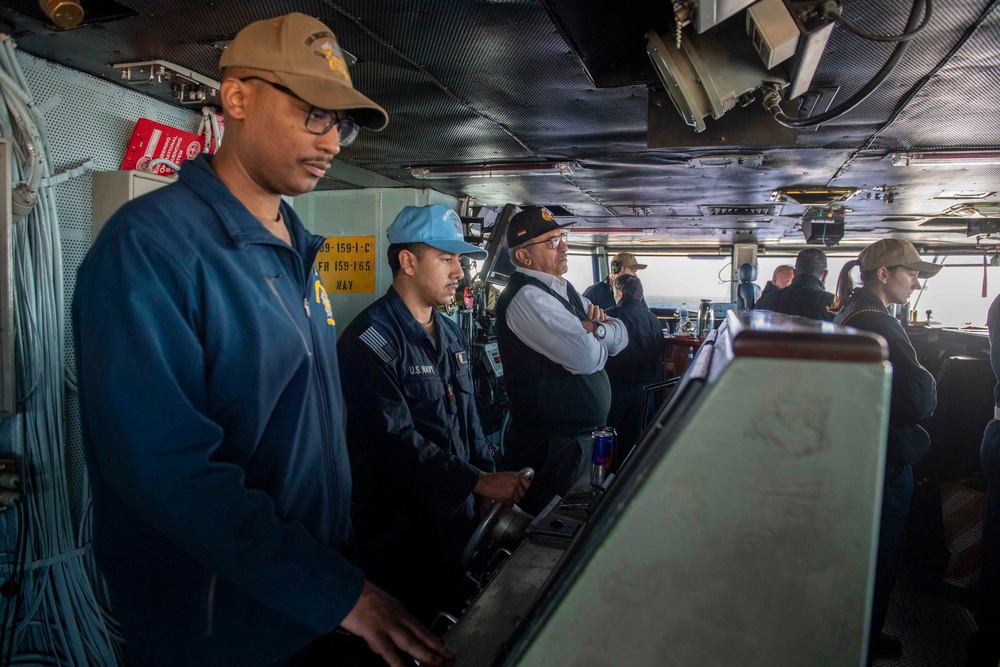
(151, 140)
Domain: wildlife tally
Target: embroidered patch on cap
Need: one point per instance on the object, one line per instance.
(452, 217)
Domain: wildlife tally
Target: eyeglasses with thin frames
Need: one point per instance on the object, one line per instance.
(553, 241)
(319, 121)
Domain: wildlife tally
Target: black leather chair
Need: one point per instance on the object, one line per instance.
(747, 292)
(964, 407)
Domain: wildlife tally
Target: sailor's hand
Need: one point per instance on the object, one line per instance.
(380, 620)
(595, 314)
(505, 487)
(483, 505)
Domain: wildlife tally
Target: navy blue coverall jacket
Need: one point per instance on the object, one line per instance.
(602, 295)
(805, 297)
(416, 450)
(210, 402)
(988, 614)
(913, 399)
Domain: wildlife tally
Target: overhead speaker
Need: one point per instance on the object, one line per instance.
(823, 226)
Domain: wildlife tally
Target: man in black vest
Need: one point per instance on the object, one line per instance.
(554, 344)
(638, 364)
(806, 295)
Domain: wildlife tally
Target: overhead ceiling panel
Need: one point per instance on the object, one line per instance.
(847, 53)
(609, 37)
(939, 116)
(484, 81)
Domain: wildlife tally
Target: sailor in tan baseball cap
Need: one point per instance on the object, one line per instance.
(890, 273)
(627, 264)
(290, 108)
(602, 293)
(896, 252)
(304, 56)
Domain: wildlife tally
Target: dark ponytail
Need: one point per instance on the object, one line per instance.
(845, 285)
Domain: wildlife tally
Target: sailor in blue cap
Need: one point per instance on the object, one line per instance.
(418, 456)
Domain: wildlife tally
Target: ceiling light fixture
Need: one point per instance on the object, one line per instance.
(985, 209)
(65, 14)
(727, 160)
(945, 158)
(500, 170)
(965, 194)
(812, 196)
(611, 231)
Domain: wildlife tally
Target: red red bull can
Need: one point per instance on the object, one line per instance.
(601, 455)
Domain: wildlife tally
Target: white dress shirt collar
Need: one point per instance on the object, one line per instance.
(557, 283)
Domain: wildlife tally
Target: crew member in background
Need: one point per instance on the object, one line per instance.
(805, 296)
(890, 269)
(219, 471)
(554, 344)
(602, 294)
(780, 279)
(417, 452)
(639, 364)
(984, 644)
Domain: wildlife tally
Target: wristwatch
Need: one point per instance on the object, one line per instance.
(600, 331)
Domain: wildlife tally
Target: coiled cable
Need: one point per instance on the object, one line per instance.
(772, 95)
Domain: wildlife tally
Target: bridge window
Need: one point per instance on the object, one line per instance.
(955, 295)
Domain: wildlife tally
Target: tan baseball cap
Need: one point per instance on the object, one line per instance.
(305, 56)
(895, 252)
(629, 261)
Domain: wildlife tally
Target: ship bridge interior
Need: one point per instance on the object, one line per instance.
(731, 130)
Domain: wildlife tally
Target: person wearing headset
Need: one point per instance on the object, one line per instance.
(602, 294)
(638, 365)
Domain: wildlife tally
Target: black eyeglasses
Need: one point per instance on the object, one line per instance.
(553, 241)
(319, 121)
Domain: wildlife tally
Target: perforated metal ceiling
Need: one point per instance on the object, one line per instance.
(477, 81)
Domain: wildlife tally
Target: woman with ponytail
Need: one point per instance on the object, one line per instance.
(890, 270)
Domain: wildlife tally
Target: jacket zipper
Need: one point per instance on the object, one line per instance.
(321, 391)
(210, 606)
(318, 382)
(305, 343)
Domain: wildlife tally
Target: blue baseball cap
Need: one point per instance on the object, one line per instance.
(438, 226)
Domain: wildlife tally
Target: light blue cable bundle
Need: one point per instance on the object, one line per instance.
(61, 617)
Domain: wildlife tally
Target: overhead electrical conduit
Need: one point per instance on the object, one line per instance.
(772, 95)
(25, 195)
(59, 613)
